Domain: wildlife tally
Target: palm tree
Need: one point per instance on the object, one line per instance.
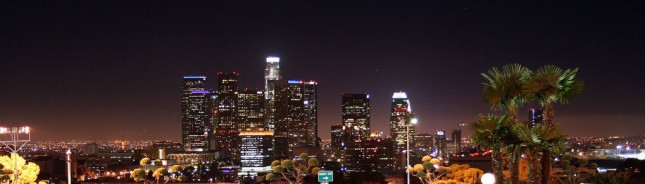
(486, 131)
(503, 88)
(549, 85)
(535, 139)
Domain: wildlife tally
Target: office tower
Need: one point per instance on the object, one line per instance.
(401, 127)
(337, 136)
(272, 75)
(310, 94)
(250, 110)
(196, 114)
(356, 115)
(423, 144)
(294, 126)
(456, 140)
(440, 144)
(256, 151)
(371, 154)
(226, 134)
(536, 116)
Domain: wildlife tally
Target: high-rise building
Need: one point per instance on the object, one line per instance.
(256, 151)
(401, 128)
(226, 134)
(338, 139)
(536, 116)
(456, 140)
(272, 75)
(440, 144)
(196, 114)
(356, 115)
(227, 100)
(423, 144)
(310, 94)
(294, 126)
(372, 154)
(250, 110)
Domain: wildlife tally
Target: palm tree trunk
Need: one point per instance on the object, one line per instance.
(546, 166)
(514, 167)
(546, 154)
(496, 159)
(535, 172)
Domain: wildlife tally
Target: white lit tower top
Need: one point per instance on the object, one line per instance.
(271, 74)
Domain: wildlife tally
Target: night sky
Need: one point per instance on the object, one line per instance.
(104, 70)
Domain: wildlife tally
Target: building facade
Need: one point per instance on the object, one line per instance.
(294, 126)
(272, 75)
(250, 110)
(196, 114)
(256, 151)
(356, 115)
(401, 128)
(536, 116)
(226, 131)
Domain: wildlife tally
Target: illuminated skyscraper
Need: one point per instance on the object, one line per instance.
(196, 114)
(356, 115)
(536, 116)
(423, 144)
(295, 121)
(310, 94)
(456, 140)
(256, 151)
(338, 139)
(272, 74)
(440, 144)
(372, 154)
(400, 121)
(250, 110)
(226, 134)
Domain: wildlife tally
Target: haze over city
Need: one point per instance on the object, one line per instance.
(113, 69)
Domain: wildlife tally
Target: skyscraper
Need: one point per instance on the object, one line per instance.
(294, 125)
(356, 115)
(250, 110)
(272, 74)
(536, 116)
(310, 94)
(196, 114)
(423, 144)
(256, 151)
(440, 144)
(226, 134)
(338, 139)
(400, 121)
(456, 140)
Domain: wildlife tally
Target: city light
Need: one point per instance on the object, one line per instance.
(272, 59)
(399, 95)
(488, 178)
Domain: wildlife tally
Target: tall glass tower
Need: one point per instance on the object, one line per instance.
(226, 132)
(356, 115)
(401, 126)
(196, 114)
(295, 116)
(271, 75)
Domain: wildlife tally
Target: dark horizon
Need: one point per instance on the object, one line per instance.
(105, 70)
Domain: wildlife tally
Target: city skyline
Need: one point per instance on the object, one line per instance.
(96, 72)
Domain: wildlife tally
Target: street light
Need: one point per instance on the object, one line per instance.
(69, 166)
(488, 178)
(407, 142)
(14, 133)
